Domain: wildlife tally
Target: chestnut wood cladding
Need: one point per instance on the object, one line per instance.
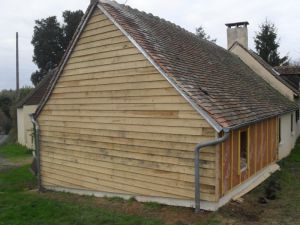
(114, 124)
(262, 151)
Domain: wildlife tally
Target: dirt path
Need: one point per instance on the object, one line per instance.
(4, 164)
(3, 138)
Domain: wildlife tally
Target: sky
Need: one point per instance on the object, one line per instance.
(19, 15)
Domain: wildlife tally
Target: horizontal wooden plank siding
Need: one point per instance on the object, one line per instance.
(262, 151)
(114, 124)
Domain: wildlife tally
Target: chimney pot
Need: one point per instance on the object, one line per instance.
(237, 32)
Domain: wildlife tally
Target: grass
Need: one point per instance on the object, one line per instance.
(21, 206)
(17, 179)
(15, 152)
(284, 209)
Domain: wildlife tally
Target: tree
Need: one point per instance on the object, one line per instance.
(200, 32)
(50, 41)
(71, 21)
(267, 44)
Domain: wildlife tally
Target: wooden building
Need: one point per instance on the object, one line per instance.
(133, 96)
(289, 127)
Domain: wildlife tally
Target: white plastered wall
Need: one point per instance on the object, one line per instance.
(288, 137)
(20, 123)
(248, 59)
(25, 127)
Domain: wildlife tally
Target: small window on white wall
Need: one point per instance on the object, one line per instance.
(292, 122)
(279, 130)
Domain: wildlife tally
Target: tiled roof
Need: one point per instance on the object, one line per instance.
(212, 77)
(288, 70)
(36, 95)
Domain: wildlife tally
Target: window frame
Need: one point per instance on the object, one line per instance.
(242, 169)
(279, 131)
(292, 122)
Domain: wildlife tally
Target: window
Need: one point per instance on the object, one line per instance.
(292, 122)
(297, 116)
(243, 149)
(279, 130)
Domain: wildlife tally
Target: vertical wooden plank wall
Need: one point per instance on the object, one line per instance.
(262, 145)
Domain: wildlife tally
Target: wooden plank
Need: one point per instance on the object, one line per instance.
(98, 31)
(119, 100)
(189, 140)
(92, 159)
(102, 49)
(150, 140)
(80, 181)
(236, 166)
(96, 17)
(103, 40)
(56, 163)
(167, 114)
(100, 43)
(121, 147)
(60, 183)
(123, 168)
(93, 184)
(116, 66)
(84, 40)
(264, 147)
(126, 127)
(115, 87)
(128, 120)
(122, 107)
(99, 24)
(259, 144)
(172, 158)
(104, 153)
(111, 73)
(253, 144)
(105, 55)
(108, 173)
(134, 186)
(105, 61)
(113, 80)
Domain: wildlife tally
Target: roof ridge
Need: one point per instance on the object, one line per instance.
(120, 6)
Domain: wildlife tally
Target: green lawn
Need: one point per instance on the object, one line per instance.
(20, 205)
(15, 152)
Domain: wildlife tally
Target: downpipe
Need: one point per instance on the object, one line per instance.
(197, 164)
(37, 150)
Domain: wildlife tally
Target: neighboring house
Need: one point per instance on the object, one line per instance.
(133, 96)
(26, 107)
(290, 74)
(289, 122)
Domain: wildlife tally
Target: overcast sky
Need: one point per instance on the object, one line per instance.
(19, 15)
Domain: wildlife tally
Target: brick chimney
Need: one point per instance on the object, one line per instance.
(237, 32)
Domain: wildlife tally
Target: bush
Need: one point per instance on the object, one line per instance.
(272, 188)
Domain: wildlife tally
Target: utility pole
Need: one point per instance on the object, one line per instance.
(17, 63)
